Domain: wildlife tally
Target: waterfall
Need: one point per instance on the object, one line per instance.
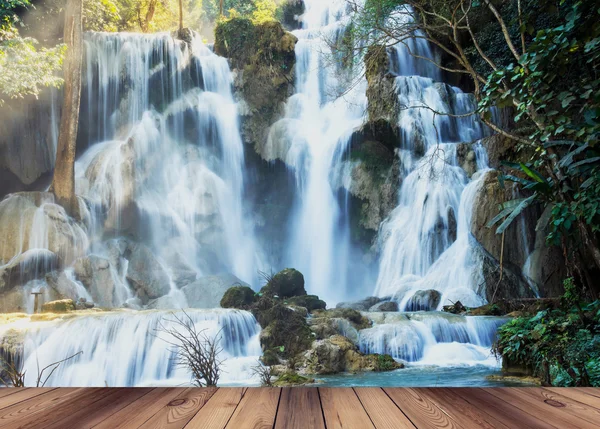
(432, 338)
(317, 128)
(129, 349)
(166, 159)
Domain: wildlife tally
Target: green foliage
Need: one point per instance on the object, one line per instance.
(25, 68)
(8, 13)
(264, 12)
(384, 363)
(562, 346)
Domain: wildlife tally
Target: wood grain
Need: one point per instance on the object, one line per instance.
(178, 413)
(140, 411)
(219, 409)
(5, 391)
(382, 410)
(501, 411)
(257, 409)
(299, 408)
(342, 409)
(36, 404)
(87, 417)
(578, 395)
(21, 395)
(423, 412)
(561, 405)
(460, 410)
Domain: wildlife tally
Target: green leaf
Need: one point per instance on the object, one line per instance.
(515, 212)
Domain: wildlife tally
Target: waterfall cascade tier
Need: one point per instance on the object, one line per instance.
(131, 349)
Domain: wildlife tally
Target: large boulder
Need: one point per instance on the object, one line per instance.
(362, 305)
(207, 292)
(385, 306)
(95, 273)
(285, 284)
(29, 265)
(145, 273)
(310, 302)
(240, 297)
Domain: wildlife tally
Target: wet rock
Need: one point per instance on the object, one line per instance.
(325, 327)
(466, 158)
(381, 91)
(163, 303)
(64, 286)
(385, 306)
(290, 12)
(288, 379)
(61, 306)
(95, 274)
(285, 284)
(145, 272)
(240, 297)
(362, 305)
(84, 304)
(30, 265)
(208, 292)
(357, 320)
(424, 300)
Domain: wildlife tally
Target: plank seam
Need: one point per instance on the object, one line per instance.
(28, 398)
(322, 409)
(398, 406)
(119, 409)
(277, 409)
(363, 405)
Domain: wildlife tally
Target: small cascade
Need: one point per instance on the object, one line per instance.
(432, 338)
(129, 349)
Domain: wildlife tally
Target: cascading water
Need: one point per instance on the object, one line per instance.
(132, 349)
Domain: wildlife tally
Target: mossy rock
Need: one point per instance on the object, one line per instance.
(353, 316)
(60, 306)
(285, 284)
(240, 297)
(385, 363)
(377, 62)
(486, 310)
(289, 334)
(310, 302)
(292, 379)
(269, 358)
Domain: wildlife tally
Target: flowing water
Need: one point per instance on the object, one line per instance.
(162, 160)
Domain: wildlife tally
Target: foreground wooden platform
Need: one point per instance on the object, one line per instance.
(299, 408)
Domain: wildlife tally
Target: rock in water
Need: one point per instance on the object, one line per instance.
(362, 305)
(424, 300)
(240, 297)
(95, 274)
(385, 306)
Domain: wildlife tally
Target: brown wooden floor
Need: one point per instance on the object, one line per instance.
(299, 408)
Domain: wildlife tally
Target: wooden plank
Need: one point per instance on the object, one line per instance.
(498, 409)
(22, 395)
(5, 391)
(553, 401)
(460, 410)
(577, 394)
(218, 410)
(594, 391)
(421, 411)
(36, 404)
(257, 409)
(178, 413)
(140, 411)
(342, 409)
(90, 416)
(72, 405)
(537, 407)
(299, 408)
(382, 410)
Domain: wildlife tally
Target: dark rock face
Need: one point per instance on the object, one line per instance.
(310, 302)
(381, 92)
(385, 306)
(262, 57)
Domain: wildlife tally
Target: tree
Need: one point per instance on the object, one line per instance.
(180, 15)
(63, 182)
(535, 59)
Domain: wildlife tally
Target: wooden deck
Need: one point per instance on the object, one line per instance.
(299, 408)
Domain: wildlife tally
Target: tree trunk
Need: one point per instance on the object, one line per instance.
(180, 15)
(63, 182)
(221, 8)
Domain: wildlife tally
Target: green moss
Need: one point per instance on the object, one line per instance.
(235, 39)
(240, 297)
(269, 358)
(385, 363)
(285, 284)
(292, 379)
(61, 306)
